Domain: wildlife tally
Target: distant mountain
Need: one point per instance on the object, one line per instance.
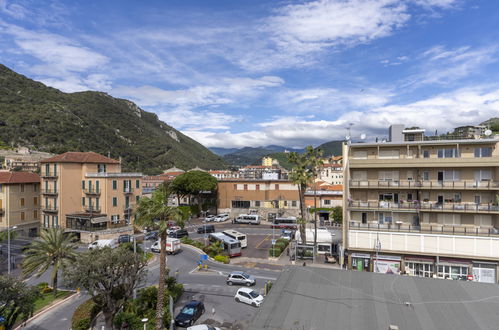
(332, 148)
(253, 156)
(45, 119)
(222, 151)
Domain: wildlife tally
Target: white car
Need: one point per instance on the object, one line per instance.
(202, 327)
(209, 218)
(172, 229)
(248, 296)
(221, 217)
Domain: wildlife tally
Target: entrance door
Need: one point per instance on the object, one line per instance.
(360, 265)
(364, 217)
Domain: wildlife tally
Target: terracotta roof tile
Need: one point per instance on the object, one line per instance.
(80, 157)
(19, 177)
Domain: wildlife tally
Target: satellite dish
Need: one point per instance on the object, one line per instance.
(488, 132)
(347, 137)
(363, 136)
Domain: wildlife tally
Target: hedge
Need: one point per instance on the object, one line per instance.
(275, 252)
(221, 258)
(189, 241)
(83, 315)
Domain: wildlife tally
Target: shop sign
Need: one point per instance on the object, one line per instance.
(361, 255)
(386, 267)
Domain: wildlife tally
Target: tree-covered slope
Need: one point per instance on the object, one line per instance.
(46, 119)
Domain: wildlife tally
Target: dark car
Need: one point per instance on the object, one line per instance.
(206, 229)
(189, 313)
(179, 233)
(151, 236)
(125, 239)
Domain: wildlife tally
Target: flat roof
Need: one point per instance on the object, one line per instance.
(427, 142)
(323, 298)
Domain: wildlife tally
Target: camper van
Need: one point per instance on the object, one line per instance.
(251, 219)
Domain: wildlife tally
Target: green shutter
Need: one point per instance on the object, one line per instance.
(137, 184)
(83, 184)
(115, 201)
(115, 185)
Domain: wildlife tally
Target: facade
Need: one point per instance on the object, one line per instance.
(256, 172)
(86, 193)
(425, 207)
(21, 163)
(268, 198)
(224, 174)
(20, 202)
(331, 173)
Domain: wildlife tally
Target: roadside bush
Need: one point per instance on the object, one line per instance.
(189, 241)
(83, 315)
(41, 286)
(275, 252)
(131, 320)
(283, 240)
(46, 289)
(221, 258)
(280, 245)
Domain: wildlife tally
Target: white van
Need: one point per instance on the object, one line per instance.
(172, 246)
(100, 243)
(251, 219)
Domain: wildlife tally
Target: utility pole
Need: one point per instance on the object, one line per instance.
(377, 248)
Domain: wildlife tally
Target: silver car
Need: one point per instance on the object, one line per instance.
(240, 278)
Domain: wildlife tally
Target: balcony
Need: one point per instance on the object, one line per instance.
(50, 209)
(425, 206)
(50, 192)
(49, 175)
(128, 190)
(128, 207)
(92, 209)
(430, 184)
(92, 191)
(421, 162)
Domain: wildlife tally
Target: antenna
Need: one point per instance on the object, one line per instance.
(347, 137)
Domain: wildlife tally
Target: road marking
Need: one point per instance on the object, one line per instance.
(261, 242)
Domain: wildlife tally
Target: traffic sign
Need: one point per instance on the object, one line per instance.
(2, 319)
(273, 242)
(204, 257)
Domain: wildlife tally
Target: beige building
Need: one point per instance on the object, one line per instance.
(426, 207)
(87, 193)
(20, 202)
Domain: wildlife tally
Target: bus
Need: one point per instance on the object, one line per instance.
(231, 246)
(287, 223)
(251, 219)
(237, 236)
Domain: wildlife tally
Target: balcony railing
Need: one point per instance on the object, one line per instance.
(46, 174)
(433, 184)
(92, 191)
(128, 190)
(49, 191)
(92, 209)
(425, 228)
(49, 208)
(429, 206)
(128, 207)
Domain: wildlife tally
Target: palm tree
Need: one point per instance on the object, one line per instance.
(154, 212)
(53, 249)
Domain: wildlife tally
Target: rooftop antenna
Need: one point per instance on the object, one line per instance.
(349, 131)
(363, 136)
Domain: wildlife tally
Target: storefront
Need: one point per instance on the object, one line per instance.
(360, 261)
(453, 269)
(420, 266)
(387, 264)
(484, 272)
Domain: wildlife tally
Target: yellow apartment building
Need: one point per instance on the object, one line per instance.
(423, 206)
(86, 193)
(20, 202)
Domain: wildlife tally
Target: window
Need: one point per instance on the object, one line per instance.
(257, 203)
(241, 204)
(483, 175)
(245, 187)
(235, 186)
(101, 168)
(83, 184)
(83, 201)
(137, 184)
(451, 175)
(388, 175)
(426, 153)
(22, 187)
(426, 175)
(483, 152)
(409, 197)
(359, 175)
(115, 185)
(35, 187)
(285, 203)
(293, 203)
(55, 169)
(359, 155)
(55, 221)
(327, 202)
(35, 201)
(410, 175)
(115, 201)
(389, 154)
(22, 215)
(448, 153)
(35, 214)
(257, 187)
(457, 197)
(97, 203)
(137, 198)
(22, 201)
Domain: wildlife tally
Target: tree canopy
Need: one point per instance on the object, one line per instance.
(193, 183)
(16, 299)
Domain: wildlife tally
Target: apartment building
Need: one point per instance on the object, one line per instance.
(268, 198)
(424, 206)
(86, 193)
(20, 202)
(331, 173)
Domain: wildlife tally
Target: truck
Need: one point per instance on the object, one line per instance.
(172, 246)
(101, 243)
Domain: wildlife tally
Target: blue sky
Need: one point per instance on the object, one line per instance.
(253, 73)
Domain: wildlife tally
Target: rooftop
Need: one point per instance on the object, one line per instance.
(80, 157)
(427, 142)
(322, 298)
(19, 177)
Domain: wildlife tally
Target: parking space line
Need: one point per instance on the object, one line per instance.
(263, 240)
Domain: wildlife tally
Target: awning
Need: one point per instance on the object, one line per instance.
(99, 220)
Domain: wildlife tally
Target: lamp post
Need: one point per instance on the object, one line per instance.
(8, 248)
(144, 320)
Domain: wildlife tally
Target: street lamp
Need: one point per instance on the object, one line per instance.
(8, 247)
(145, 322)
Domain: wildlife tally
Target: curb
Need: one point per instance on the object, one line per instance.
(48, 308)
(198, 250)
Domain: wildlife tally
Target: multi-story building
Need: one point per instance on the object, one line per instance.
(268, 198)
(87, 193)
(423, 206)
(257, 172)
(331, 173)
(20, 202)
(224, 174)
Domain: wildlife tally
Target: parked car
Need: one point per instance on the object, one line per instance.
(241, 278)
(189, 313)
(125, 238)
(206, 229)
(178, 233)
(152, 235)
(101, 243)
(209, 218)
(172, 229)
(203, 327)
(221, 217)
(248, 296)
(287, 234)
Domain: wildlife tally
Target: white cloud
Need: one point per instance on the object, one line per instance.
(187, 119)
(443, 112)
(436, 3)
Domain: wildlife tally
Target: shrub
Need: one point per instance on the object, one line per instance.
(83, 315)
(283, 240)
(46, 289)
(275, 252)
(280, 245)
(221, 258)
(130, 319)
(41, 286)
(189, 241)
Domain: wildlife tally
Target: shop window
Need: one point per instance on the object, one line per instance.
(22, 201)
(257, 203)
(241, 204)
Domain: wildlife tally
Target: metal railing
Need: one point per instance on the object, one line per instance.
(128, 190)
(425, 228)
(46, 174)
(444, 207)
(49, 191)
(92, 208)
(433, 184)
(92, 191)
(49, 208)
